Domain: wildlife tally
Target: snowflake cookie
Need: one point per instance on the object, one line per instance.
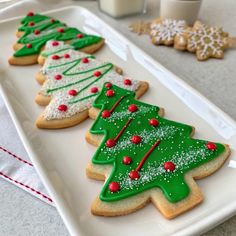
(164, 31)
(204, 40)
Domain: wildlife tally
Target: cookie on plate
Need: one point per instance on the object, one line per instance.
(144, 157)
(71, 82)
(36, 30)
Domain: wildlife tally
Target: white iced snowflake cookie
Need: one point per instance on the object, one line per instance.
(205, 41)
(72, 82)
(164, 31)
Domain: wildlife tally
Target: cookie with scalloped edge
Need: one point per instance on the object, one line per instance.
(206, 41)
(164, 31)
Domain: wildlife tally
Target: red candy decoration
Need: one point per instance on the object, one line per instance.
(94, 90)
(211, 146)
(110, 143)
(108, 85)
(134, 175)
(62, 107)
(127, 82)
(97, 73)
(60, 30)
(126, 160)
(85, 60)
(37, 32)
(154, 122)
(66, 55)
(52, 20)
(110, 93)
(29, 45)
(31, 23)
(55, 43)
(55, 57)
(57, 77)
(30, 13)
(169, 166)
(72, 92)
(106, 114)
(114, 187)
(136, 139)
(79, 36)
(132, 108)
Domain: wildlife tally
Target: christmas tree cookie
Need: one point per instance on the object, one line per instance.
(36, 30)
(71, 82)
(144, 157)
(205, 41)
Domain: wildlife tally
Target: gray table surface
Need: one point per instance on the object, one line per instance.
(22, 214)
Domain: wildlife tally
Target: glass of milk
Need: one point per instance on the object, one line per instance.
(120, 8)
(180, 9)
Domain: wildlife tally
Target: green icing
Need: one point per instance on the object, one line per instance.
(48, 31)
(35, 18)
(85, 41)
(176, 146)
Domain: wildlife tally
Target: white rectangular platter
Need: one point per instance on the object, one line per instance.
(60, 156)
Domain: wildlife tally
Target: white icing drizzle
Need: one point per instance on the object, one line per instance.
(206, 41)
(43, 22)
(33, 36)
(167, 29)
(61, 96)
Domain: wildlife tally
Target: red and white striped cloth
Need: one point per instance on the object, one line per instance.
(15, 165)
